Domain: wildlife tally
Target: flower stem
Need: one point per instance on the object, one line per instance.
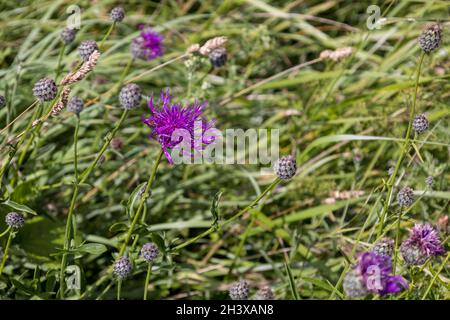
(391, 180)
(5, 254)
(147, 280)
(58, 66)
(111, 28)
(233, 218)
(397, 239)
(5, 232)
(67, 235)
(141, 203)
(435, 277)
(119, 288)
(109, 137)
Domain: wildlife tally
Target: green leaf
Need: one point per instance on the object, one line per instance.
(19, 207)
(92, 248)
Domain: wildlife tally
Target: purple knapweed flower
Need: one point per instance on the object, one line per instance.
(174, 124)
(375, 274)
(424, 242)
(148, 45)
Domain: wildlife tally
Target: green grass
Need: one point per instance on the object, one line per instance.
(300, 238)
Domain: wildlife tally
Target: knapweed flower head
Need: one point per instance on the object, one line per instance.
(420, 123)
(265, 293)
(430, 38)
(239, 290)
(122, 267)
(148, 45)
(173, 124)
(405, 197)
(15, 220)
(373, 274)
(423, 243)
(149, 252)
(384, 247)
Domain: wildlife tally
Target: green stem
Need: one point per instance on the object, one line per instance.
(5, 232)
(435, 277)
(119, 288)
(230, 220)
(111, 28)
(141, 203)
(58, 66)
(147, 280)
(5, 253)
(69, 222)
(391, 180)
(109, 137)
(397, 240)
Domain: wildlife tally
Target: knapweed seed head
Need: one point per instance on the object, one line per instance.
(86, 48)
(149, 252)
(68, 35)
(423, 242)
(420, 123)
(117, 14)
(2, 101)
(174, 124)
(285, 167)
(130, 96)
(75, 105)
(45, 89)
(384, 247)
(122, 267)
(429, 181)
(354, 286)
(265, 293)
(218, 57)
(15, 220)
(430, 38)
(148, 45)
(239, 290)
(405, 197)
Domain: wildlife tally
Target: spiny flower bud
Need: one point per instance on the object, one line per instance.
(429, 181)
(122, 267)
(68, 35)
(149, 252)
(405, 197)
(218, 57)
(239, 290)
(75, 105)
(430, 38)
(130, 96)
(384, 247)
(420, 123)
(285, 167)
(86, 48)
(265, 293)
(354, 285)
(117, 14)
(45, 89)
(2, 101)
(15, 220)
